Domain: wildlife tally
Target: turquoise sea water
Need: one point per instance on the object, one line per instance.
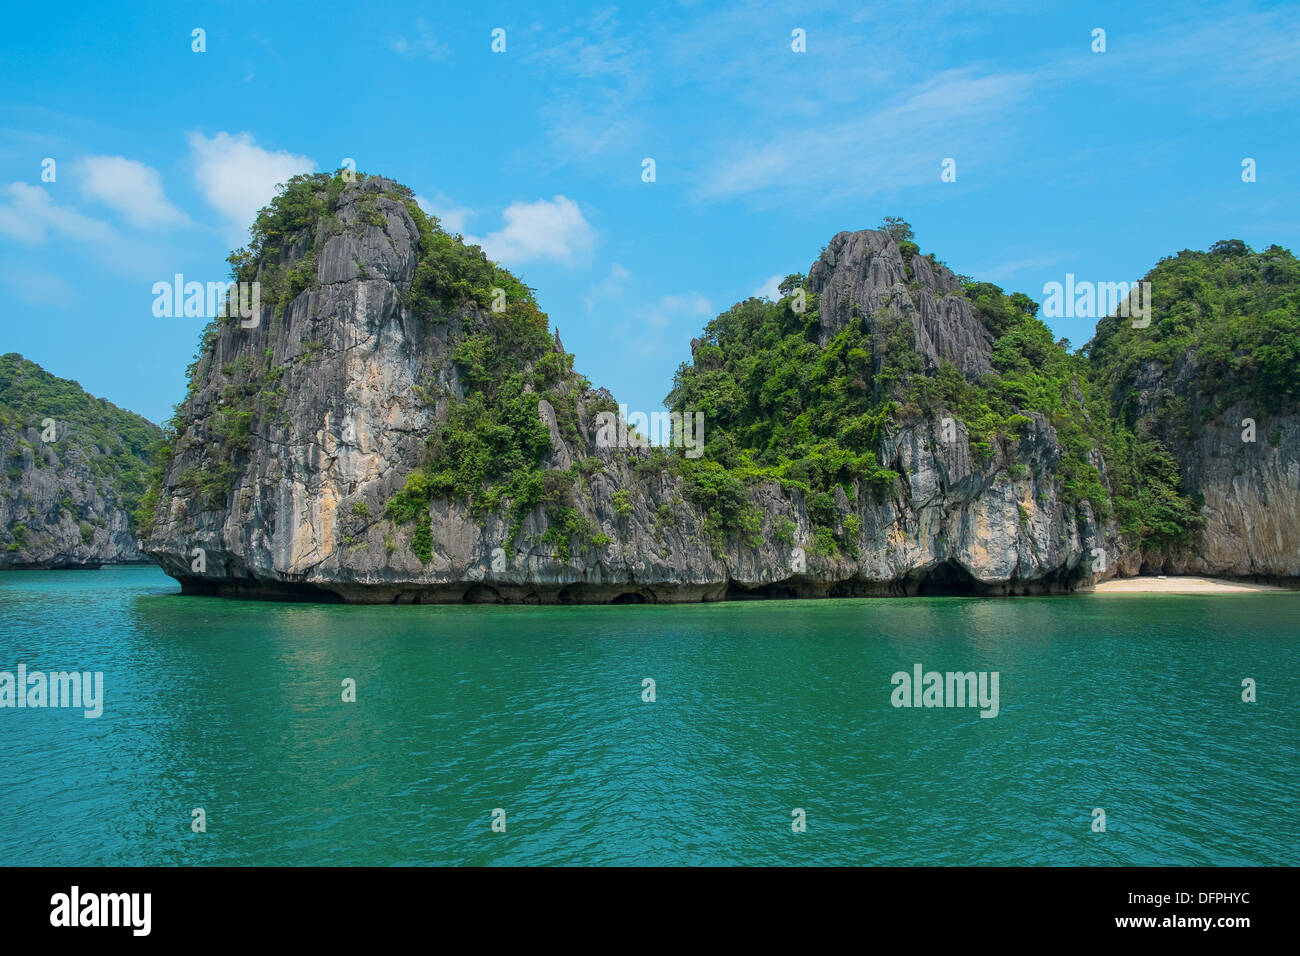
(1129, 703)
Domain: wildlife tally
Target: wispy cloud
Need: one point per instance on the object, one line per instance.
(776, 128)
(28, 214)
(424, 43)
(39, 288)
(608, 289)
(609, 73)
(666, 309)
(1005, 270)
(769, 289)
(960, 113)
(1223, 55)
(452, 216)
(656, 329)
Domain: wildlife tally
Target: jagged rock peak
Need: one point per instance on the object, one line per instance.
(862, 272)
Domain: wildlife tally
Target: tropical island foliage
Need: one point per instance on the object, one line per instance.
(783, 407)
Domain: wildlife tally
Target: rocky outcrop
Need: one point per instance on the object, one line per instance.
(1242, 464)
(339, 391)
(1250, 494)
(69, 471)
(861, 273)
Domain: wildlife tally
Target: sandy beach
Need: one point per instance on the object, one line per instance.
(1179, 585)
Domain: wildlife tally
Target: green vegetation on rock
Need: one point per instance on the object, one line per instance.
(1232, 313)
(1224, 331)
(782, 407)
(114, 444)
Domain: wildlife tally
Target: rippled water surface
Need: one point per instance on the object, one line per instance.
(1130, 703)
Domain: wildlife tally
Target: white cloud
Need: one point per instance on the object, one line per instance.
(451, 216)
(545, 229)
(237, 177)
(28, 214)
(769, 289)
(130, 187)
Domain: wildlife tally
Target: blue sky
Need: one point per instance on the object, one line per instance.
(1067, 160)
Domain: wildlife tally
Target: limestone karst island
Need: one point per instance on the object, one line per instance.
(399, 423)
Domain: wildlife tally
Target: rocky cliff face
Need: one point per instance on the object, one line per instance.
(57, 513)
(1243, 465)
(1251, 498)
(863, 272)
(300, 435)
(71, 463)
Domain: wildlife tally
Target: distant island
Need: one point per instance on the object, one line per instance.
(401, 424)
(75, 468)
